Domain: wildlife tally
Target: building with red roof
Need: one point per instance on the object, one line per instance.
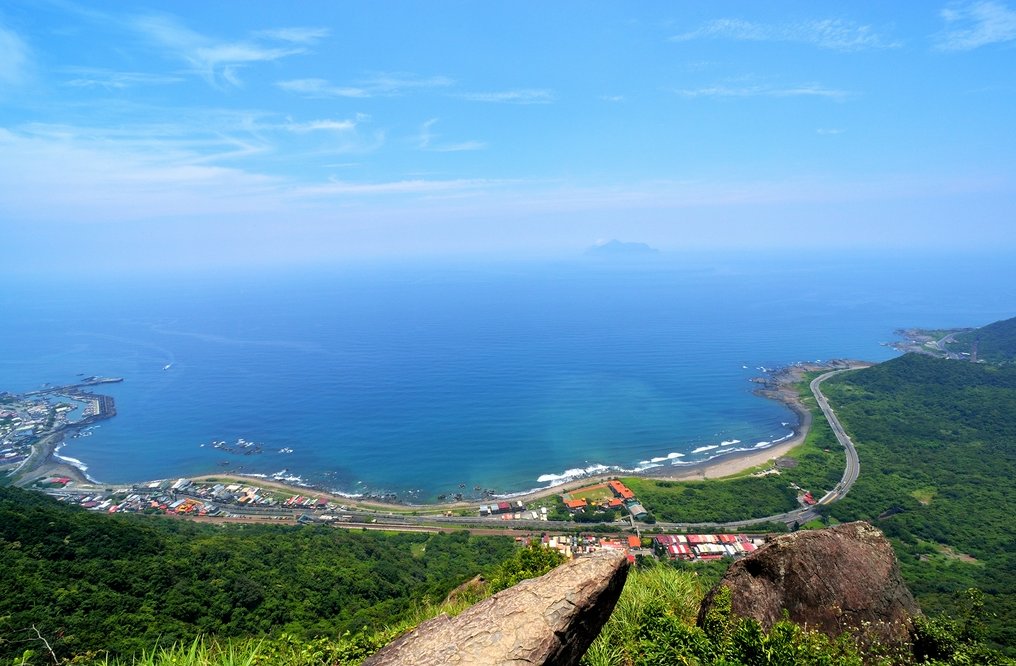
(621, 490)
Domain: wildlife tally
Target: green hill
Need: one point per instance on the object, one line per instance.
(93, 583)
(937, 447)
(994, 343)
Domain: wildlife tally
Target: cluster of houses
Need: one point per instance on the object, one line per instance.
(623, 498)
(689, 547)
(513, 511)
(242, 495)
(138, 503)
(703, 546)
(576, 545)
(183, 497)
(20, 420)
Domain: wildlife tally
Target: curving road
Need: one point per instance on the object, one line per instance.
(850, 472)
(853, 468)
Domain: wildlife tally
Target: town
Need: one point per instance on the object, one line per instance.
(52, 410)
(212, 499)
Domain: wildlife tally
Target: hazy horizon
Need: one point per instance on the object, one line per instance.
(169, 136)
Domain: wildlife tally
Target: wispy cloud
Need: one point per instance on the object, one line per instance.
(218, 62)
(320, 89)
(834, 34)
(523, 96)
(106, 180)
(88, 77)
(612, 98)
(295, 35)
(765, 91)
(322, 126)
(380, 85)
(973, 25)
(395, 83)
(426, 141)
(417, 186)
(14, 57)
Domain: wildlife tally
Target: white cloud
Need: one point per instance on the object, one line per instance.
(829, 131)
(322, 125)
(976, 24)
(765, 91)
(87, 77)
(417, 186)
(14, 57)
(380, 85)
(319, 89)
(426, 141)
(394, 83)
(524, 96)
(460, 147)
(833, 34)
(111, 181)
(218, 62)
(295, 35)
(612, 98)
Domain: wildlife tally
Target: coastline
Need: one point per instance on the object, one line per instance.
(51, 463)
(781, 386)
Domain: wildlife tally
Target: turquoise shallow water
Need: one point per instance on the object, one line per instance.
(428, 379)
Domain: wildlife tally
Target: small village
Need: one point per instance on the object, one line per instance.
(187, 498)
(27, 418)
(21, 420)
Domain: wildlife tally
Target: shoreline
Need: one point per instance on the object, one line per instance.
(779, 386)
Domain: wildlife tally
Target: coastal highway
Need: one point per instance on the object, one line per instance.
(853, 467)
(803, 515)
(800, 516)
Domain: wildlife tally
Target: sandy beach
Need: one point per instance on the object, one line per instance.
(781, 386)
(43, 462)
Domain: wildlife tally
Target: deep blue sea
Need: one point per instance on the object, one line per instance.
(425, 378)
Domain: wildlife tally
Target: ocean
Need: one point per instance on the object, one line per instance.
(426, 379)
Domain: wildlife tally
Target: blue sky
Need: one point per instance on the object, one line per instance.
(187, 134)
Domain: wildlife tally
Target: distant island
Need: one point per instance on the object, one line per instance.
(616, 248)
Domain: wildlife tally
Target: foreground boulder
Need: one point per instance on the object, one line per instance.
(547, 620)
(843, 578)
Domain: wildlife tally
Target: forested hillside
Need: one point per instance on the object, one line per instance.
(994, 343)
(101, 583)
(937, 445)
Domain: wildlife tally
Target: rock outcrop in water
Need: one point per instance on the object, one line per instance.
(844, 578)
(547, 620)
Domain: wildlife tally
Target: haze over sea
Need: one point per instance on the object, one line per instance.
(416, 378)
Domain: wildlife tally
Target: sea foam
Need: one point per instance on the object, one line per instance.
(569, 474)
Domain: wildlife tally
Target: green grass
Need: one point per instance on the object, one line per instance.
(679, 593)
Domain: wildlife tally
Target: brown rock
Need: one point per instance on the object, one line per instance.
(547, 620)
(833, 580)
